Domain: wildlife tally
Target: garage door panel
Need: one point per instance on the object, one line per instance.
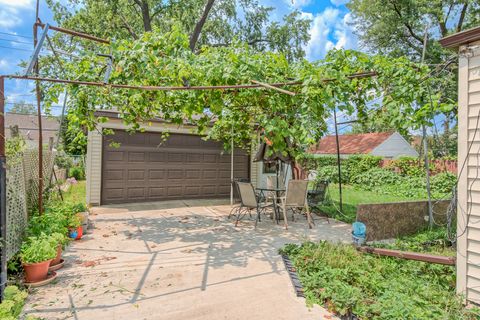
(136, 175)
(184, 166)
(115, 156)
(136, 193)
(210, 158)
(157, 157)
(113, 194)
(114, 174)
(156, 174)
(209, 174)
(157, 192)
(175, 174)
(193, 174)
(136, 157)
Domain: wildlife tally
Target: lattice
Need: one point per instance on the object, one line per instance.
(30, 161)
(16, 208)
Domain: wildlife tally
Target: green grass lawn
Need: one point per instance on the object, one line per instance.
(351, 198)
(77, 193)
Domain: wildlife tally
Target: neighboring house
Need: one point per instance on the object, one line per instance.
(27, 125)
(145, 168)
(468, 209)
(384, 144)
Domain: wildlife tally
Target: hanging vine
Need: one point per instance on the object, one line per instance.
(164, 59)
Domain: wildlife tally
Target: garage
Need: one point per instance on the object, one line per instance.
(143, 167)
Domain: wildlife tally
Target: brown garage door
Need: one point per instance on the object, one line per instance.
(143, 168)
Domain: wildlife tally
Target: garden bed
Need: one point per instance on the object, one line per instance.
(350, 283)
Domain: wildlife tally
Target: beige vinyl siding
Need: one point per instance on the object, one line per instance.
(468, 226)
(94, 167)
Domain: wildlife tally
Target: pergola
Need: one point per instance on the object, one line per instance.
(31, 74)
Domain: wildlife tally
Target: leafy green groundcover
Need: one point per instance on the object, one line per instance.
(373, 287)
(12, 306)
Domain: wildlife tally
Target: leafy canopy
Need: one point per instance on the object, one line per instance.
(165, 59)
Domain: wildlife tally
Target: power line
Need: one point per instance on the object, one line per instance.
(15, 41)
(16, 35)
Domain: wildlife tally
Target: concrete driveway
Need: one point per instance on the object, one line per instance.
(179, 260)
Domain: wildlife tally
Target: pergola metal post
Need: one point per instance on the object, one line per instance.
(3, 193)
(338, 159)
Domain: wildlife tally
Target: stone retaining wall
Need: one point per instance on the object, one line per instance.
(396, 219)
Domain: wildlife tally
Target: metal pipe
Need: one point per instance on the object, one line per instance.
(75, 33)
(266, 85)
(3, 193)
(39, 119)
(338, 160)
(175, 88)
(409, 255)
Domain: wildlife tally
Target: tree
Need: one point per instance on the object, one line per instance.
(23, 108)
(208, 22)
(397, 27)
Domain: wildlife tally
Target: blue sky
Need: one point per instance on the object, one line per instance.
(329, 29)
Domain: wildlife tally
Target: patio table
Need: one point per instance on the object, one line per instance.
(276, 195)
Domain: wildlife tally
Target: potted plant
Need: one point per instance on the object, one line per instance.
(75, 230)
(36, 254)
(82, 214)
(58, 240)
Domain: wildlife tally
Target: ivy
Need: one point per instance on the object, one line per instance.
(165, 59)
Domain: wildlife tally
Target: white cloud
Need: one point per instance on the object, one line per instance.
(330, 29)
(339, 2)
(3, 64)
(299, 3)
(11, 12)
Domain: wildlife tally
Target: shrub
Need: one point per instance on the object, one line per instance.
(408, 166)
(357, 164)
(376, 177)
(443, 182)
(330, 173)
(78, 172)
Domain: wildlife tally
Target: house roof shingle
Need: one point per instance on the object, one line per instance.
(351, 143)
(28, 125)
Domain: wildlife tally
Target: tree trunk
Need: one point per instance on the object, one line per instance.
(147, 22)
(198, 27)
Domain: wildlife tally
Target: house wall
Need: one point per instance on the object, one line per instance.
(395, 146)
(94, 153)
(468, 226)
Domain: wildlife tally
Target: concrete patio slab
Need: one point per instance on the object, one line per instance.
(179, 260)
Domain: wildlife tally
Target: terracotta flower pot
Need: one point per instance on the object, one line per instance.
(79, 233)
(35, 272)
(57, 259)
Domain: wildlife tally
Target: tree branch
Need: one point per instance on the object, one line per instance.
(199, 26)
(251, 42)
(462, 17)
(128, 27)
(408, 26)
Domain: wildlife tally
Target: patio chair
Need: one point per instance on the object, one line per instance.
(248, 202)
(317, 194)
(296, 200)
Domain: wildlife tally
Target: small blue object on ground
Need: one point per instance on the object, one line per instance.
(359, 231)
